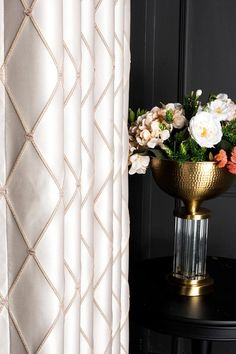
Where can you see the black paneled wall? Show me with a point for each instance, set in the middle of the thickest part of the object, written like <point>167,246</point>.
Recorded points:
<point>178,46</point>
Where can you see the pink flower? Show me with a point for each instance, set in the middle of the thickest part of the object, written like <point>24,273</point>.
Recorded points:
<point>233,155</point>
<point>221,158</point>
<point>231,166</point>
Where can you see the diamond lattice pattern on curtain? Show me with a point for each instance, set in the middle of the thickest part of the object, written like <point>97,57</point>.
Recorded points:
<point>64,75</point>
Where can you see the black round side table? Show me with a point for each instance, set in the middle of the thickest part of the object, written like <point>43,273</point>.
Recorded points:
<point>203,319</point>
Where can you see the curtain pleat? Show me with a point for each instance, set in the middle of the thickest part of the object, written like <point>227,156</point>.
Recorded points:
<point>124,343</point>
<point>4,317</point>
<point>64,225</point>
<point>33,187</point>
<point>117,174</point>
<point>87,175</point>
<point>72,161</point>
<point>103,184</point>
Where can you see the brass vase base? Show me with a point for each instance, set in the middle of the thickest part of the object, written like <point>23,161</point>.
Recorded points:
<point>190,287</point>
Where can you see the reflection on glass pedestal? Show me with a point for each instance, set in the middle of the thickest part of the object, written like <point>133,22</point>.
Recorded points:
<point>190,248</point>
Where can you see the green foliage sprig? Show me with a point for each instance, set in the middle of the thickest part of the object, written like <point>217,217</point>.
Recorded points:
<point>191,104</point>
<point>132,116</point>
<point>229,132</point>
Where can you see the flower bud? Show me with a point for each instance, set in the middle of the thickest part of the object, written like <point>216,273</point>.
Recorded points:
<point>198,93</point>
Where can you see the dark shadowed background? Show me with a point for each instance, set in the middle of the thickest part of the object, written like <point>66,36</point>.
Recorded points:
<point>178,46</point>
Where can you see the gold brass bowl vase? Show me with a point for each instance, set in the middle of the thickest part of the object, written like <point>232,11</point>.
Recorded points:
<point>191,182</point>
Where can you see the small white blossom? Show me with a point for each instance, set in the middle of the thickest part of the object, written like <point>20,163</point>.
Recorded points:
<point>198,93</point>
<point>153,142</point>
<point>164,135</point>
<point>155,128</point>
<point>139,164</point>
<point>145,134</point>
<point>205,129</point>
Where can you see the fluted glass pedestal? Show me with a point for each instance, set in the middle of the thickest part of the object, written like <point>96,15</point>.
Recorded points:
<point>189,276</point>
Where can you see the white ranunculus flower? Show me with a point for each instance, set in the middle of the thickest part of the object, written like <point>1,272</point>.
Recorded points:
<point>139,164</point>
<point>223,110</point>
<point>205,129</point>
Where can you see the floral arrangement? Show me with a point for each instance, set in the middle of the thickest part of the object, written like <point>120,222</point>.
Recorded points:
<point>191,131</point>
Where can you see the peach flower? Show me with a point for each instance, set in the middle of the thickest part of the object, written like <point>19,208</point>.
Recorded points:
<point>221,158</point>
<point>233,155</point>
<point>231,166</point>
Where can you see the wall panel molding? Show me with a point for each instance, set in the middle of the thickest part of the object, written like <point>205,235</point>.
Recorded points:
<point>183,48</point>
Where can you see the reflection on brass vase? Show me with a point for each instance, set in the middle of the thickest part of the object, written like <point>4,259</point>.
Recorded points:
<point>192,182</point>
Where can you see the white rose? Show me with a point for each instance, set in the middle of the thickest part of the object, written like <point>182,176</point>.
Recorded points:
<point>223,110</point>
<point>205,129</point>
<point>139,164</point>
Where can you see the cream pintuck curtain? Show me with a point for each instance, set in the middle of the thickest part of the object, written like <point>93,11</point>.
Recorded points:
<point>64,69</point>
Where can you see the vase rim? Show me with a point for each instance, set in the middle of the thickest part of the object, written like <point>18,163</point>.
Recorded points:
<point>183,162</point>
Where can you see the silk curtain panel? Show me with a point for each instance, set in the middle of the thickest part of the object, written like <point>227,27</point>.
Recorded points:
<point>64,79</point>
